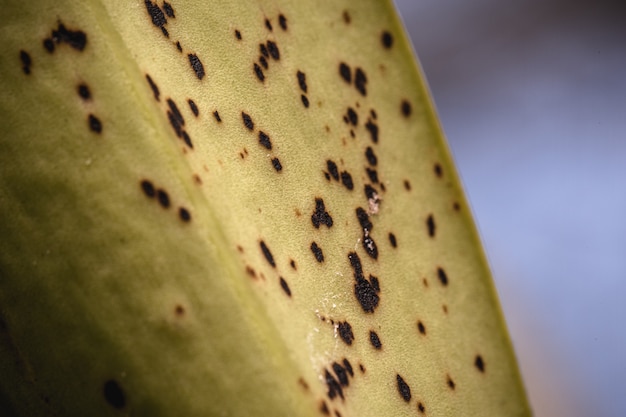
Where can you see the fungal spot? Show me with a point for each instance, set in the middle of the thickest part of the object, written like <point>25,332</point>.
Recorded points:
<point>285,286</point>
<point>155,89</point>
<point>113,394</point>
<point>405,106</point>
<point>250,271</point>
<point>263,62</point>
<point>372,174</point>
<point>305,100</point>
<point>345,72</point>
<point>360,79</point>
<point>403,388</point>
<point>407,185</point>
<point>169,11</point>
<point>320,215</point>
<point>456,206</point>
<point>317,252</point>
<point>49,45</point>
<point>362,368</point>
<point>479,363</point>
<point>26,61</point>
<point>373,129</point>
<point>164,198</point>
<point>348,366</point>
<point>268,255</point>
<point>345,332</point>
<point>264,140</point>
<point>353,118</point>
<point>392,240</point>
<point>179,46</point>
<point>259,72</point>
<point>346,17</point>
<point>196,65</point>
<point>157,15</point>
<point>273,50</point>
<point>370,156</point>
<point>363,218</point>
<point>375,340</point>
<point>430,224</point>
<point>94,124</point>
<point>179,310</point>
<point>443,278</point>
<point>217,116</point>
<point>420,327</point>
<point>346,180</point>
<point>334,388</point>
<point>264,50</point>
<point>386,39</point>
<point>148,188</point>
<point>76,39</point>
<point>444,308</point>
<point>247,121</point>
<point>302,81</point>
<point>438,170</point>
<point>450,383</point>
<point>277,165</point>
<point>184,214</point>
<point>370,193</point>
<point>421,408</point>
<point>83,91</point>
<point>370,246</point>
<point>366,295</point>
<point>332,169</point>
<point>237,34</point>
<point>193,107</point>
<point>341,374</point>
<point>292,263</point>
<point>268,25</point>
<point>324,408</point>
<point>175,112</point>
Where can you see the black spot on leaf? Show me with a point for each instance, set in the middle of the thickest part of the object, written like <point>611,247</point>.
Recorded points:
<point>268,255</point>
<point>237,34</point>
<point>272,48</point>
<point>403,388</point>
<point>364,219</point>
<point>217,116</point>
<point>375,340</point>
<point>479,363</point>
<point>285,286</point>
<point>175,112</point>
<point>153,86</point>
<point>341,374</point>
<point>370,156</point>
<point>405,106</point>
<point>184,214</point>
<point>317,252</point>
<point>386,39</point>
<point>76,39</point>
<point>302,80</point>
<point>83,91</point>
<point>259,72</point>
<point>348,366</point>
<point>193,107</point>
<point>305,100</point>
<point>438,170</point>
<point>345,332</point>
<point>157,15</point>
<point>264,51</point>
<point>370,246</point>
<point>332,169</point>
<point>346,180</point>
<point>450,383</point>
<point>353,118</point>
<point>268,25</point>
<point>366,295</point>
<point>264,140</point>
<point>148,188</point>
<point>48,43</point>
<point>392,240</point>
<point>334,388</point>
<point>372,174</point>
<point>282,21</point>
<point>430,224</point>
<point>372,128</point>
<point>263,62</point>
<point>26,61</point>
<point>196,65</point>
<point>113,394</point>
<point>169,11</point>
<point>443,277</point>
<point>360,81</point>
<point>277,165</point>
<point>164,198</point>
<point>421,408</point>
<point>345,72</point>
<point>247,121</point>
<point>94,124</point>
<point>320,215</point>
<point>420,327</point>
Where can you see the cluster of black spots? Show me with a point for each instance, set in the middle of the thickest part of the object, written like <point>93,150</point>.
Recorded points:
<point>346,180</point>
<point>405,107</point>
<point>421,328</point>
<point>332,169</point>
<point>386,39</point>
<point>277,165</point>
<point>265,140</point>
<point>430,225</point>
<point>479,363</point>
<point>302,83</point>
<point>237,34</point>
<point>368,243</point>
<point>372,174</point>
<point>113,394</point>
<point>83,91</point>
<point>26,61</point>
<point>285,286</point>
<point>317,252</point>
<point>345,332</point>
<point>154,87</point>
<point>372,128</point>
<point>193,107</point>
<point>443,277</point>
<point>196,65</point>
<point>371,156</point>
<point>282,21</point>
<point>365,291</point>
<point>345,72</point>
<point>177,121</point>
<point>334,388</point>
<point>95,125</point>
<point>163,199</point>
<point>217,116</point>
<point>158,16</point>
<point>450,383</point>
<point>247,121</point>
<point>393,240</point>
<point>268,255</point>
<point>351,117</point>
<point>403,388</point>
<point>320,215</point>
<point>375,340</point>
<point>184,214</point>
<point>76,39</point>
<point>338,379</point>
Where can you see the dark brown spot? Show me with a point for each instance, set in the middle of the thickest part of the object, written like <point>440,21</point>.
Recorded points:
<point>403,388</point>
<point>352,117</point>
<point>247,121</point>
<point>113,394</point>
<point>407,185</point>
<point>292,263</point>
<point>392,240</point>
<point>421,408</point>
<point>345,72</point>
<point>193,107</point>
<point>259,72</point>
<point>438,170</point>
<point>479,363</point>
<point>196,65</point>
<point>375,340</point>
<point>324,408</point>
<point>373,129</point>
<point>345,332</point>
<point>450,383</point>
<point>360,81</point>
<point>164,198</point>
<point>76,39</point>
<point>49,45</point>
<point>305,100</point>
<point>83,91</point>
<point>348,366</point>
<point>282,21</point>
<point>268,25</point>
<point>157,15</point>
<point>169,11</point>
<point>386,39</point>
<point>285,286</point>
<point>362,368</point>
<point>237,34</point>
<point>332,169</point>
<point>264,51</point>
<point>406,108</point>
<point>179,310</point>
<point>371,156</point>
<point>456,206</point>
<point>184,214</point>
<point>443,277</point>
<point>302,80</point>
<point>372,174</point>
<point>320,215</point>
<point>217,116</point>
<point>268,255</point>
<point>265,140</point>
<point>277,165</point>
<point>346,17</point>
<point>317,252</point>
<point>430,224</point>
<point>341,374</point>
<point>179,46</point>
<point>94,124</point>
<point>148,188</point>
<point>26,61</point>
<point>346,180</point>
<point>420,327</point>
<point>153,86</point>
<point>272,48</point>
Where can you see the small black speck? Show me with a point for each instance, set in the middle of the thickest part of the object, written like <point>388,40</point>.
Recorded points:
<point>217,116</point>
<point>153,86</point>
<point>95,124</point>
<point>277,165</point>
<point>346,180</point>
<point>268,255</point>
<point>386,39</point>
<point>268,25</point>
<point>392,240</point>
<point>264,50</point>
<point>263,62</point>
<point>345,332</point>
<point>264,140</point>
<point>438,170</point>
<point>430,224</point>
<point>237,34</point>
<point>148,188</point>
<point>345,72</point>
<point>360,79</point>
<point>169,11</point>
<point>197,66</point>
<point>49,45</point>
<point>372,174</point>
<point>352,116</point>
<point>375,283</point>
<point>479,363</point>
<point>406,108</point>
<point>114,394</point>
<point>83,91</point>
<point>317,252</point>
<point>193,107</point>
<point>451,383</point>
<point>332,169</point>
<point>165,32</point>
<point>187,139</point>
<point>273,50</point>
<point>305,100</point>
<point>420,327</point>
<point>371,156</point>
<point>373,129</point>
<point>370,192</point>
<point>421,408</point>
<point>302,80</point>
<point>179,46</point>
<point>292,263</point>
<point>164,198</point>
<point>259,72</point>
<point>375,340</point>
<point>327,176</point>
<point>348,366</point>
<point>247,121</point>
<point>407,185</point>
<point>26,61</point>
<point>184,214</point>
<point>403,388</point>
<point>285,286</point>
<point>442,276</point>
<point>282,21</point>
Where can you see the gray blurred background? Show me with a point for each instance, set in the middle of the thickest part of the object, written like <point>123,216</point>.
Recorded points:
<point>532,97</point>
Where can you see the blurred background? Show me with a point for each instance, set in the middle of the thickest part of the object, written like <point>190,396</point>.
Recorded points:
<point>532,97</point>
